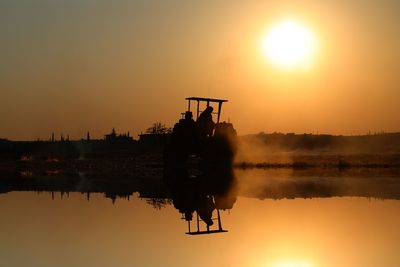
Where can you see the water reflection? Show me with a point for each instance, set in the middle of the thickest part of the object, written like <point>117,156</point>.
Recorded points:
<point>202,196</point>
<point>222,185</point>
<point>318,183</point>
<point>319,232</point>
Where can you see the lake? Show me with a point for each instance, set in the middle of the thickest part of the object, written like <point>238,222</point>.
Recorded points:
<point>264,229</point>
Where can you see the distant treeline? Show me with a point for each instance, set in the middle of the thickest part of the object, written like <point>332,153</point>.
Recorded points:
<point>113,145</point>
<point>124,147</point>
<point>372,143</point>
<point>82,149</point>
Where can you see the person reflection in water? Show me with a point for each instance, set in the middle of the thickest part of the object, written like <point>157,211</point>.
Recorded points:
<point>205,209</point>
<point>202,194</point>
<point>187,198</point>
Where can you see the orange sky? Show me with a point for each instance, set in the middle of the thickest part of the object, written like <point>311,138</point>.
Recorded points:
<point>74,66</point>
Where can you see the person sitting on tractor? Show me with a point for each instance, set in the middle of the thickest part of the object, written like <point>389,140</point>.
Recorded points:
<point>189,118</point>
<point>205,123</point>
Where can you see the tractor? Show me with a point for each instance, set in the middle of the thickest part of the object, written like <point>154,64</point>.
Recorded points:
<point>198,162</point>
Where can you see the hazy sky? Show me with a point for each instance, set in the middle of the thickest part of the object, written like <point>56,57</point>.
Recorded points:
<point>77,65</point>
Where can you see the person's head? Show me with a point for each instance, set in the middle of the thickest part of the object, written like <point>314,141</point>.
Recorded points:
<point>188,115</point>
<point>209,109</point>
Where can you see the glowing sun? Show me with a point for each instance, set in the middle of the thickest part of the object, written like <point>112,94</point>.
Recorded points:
<point>289,44</point>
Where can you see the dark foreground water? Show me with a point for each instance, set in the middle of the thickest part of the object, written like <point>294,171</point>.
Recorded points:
<point>326,231</point>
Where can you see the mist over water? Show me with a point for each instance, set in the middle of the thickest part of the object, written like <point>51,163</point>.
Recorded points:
<point>278,148</point>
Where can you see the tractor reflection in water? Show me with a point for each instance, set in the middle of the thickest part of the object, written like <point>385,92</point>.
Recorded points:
<point>198,165</point>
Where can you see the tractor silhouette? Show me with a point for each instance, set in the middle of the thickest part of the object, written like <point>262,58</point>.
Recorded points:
<point>198,163</point>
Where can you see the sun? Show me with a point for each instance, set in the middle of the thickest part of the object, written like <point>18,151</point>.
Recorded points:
<point>289,44</point>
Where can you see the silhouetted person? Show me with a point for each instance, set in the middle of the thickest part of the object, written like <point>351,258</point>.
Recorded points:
<point>184,136</point>
<point>189,116</point>
<point>189,124</point>
<point>205,124</point>
<point>205,209</point>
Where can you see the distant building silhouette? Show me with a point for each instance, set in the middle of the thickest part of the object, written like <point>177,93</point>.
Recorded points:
<point>114,137</point>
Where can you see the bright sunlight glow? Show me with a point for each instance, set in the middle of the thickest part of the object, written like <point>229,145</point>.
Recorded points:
<point>289,44</point>
<point>292,264</point>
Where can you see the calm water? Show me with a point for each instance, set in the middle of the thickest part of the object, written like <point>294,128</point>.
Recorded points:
<point>38,231</point>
